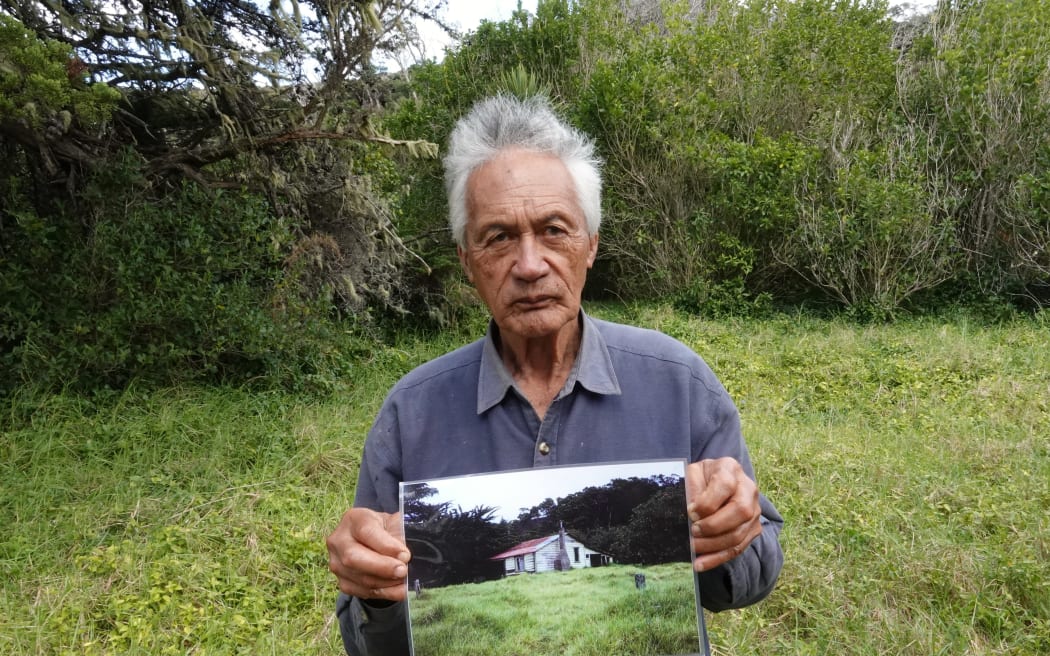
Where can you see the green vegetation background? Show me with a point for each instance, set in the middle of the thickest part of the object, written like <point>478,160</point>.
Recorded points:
<point>911,462</point>
<point>205,294</point>
<point>170,226</point>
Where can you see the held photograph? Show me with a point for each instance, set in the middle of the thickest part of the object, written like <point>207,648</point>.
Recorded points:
<point>590,560</point>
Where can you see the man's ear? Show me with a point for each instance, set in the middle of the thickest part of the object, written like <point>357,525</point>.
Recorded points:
<point>463,261</point>
<point>593,251</point>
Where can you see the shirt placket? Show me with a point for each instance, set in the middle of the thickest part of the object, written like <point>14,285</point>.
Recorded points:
<point>546,451</point>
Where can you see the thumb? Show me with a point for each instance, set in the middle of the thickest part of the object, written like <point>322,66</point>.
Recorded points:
<point>382,533</point>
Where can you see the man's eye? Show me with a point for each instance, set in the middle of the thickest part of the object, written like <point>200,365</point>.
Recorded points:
<point>554,231</point>
<point>498,238</point>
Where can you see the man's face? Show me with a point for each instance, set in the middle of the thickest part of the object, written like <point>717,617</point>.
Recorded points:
<point>527,249</point>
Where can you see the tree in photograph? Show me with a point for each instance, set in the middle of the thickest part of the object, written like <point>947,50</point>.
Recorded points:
<point>658,531</point>
<point>636,520</point>
<point>541,519</point>
<point>453,545</point>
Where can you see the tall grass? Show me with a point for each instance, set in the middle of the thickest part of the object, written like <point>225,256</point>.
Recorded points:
<point>587,612</point>
<point>912,463</point>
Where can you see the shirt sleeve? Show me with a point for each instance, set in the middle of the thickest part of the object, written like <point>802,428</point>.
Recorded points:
<point>372,631</point>
<point>751,576</point>
<point>366,629</point>
<point>380,474</point>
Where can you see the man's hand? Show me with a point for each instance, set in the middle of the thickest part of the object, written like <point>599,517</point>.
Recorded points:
<point>724,511</point>
<point>367,553</point>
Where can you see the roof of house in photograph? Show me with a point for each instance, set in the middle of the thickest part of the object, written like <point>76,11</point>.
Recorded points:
<point>527,547</point>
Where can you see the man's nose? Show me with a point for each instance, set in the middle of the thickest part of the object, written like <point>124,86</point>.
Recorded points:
<point>531,262</point>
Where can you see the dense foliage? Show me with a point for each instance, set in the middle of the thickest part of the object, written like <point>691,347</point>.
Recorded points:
<point>183,283</point>
<point>790,151</point>
<point>191,189</point>
<point>454,544</point>
<point>757,154</point>
<point>635,520</point>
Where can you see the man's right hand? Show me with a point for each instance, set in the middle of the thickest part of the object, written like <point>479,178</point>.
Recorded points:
<point>368,556</point>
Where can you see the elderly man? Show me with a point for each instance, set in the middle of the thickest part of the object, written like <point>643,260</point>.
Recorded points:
<point>547,385</point>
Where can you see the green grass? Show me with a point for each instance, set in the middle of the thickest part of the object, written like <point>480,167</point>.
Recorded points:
<point>912,463</point>
<point>588,612</point>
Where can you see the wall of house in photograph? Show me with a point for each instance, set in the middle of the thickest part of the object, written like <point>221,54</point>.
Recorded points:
<point>541,555</point>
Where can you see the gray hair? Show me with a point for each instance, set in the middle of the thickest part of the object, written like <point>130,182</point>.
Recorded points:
<point>503,122</point>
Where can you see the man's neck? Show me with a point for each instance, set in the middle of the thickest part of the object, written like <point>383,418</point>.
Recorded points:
<point>540,366</point>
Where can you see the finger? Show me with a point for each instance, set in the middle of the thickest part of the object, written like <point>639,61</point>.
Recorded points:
<point>360,563</point>
<point>362,571</point>
<point>362,585</point>
<point>397,592</point>
<point>712,560</point>
<point>742,534</point>
<point>711,557</point>
<point>694,482</point>
<point>375,589</point>
<point>363,551</point>
<point>711,485</point>
<point>741,508</point>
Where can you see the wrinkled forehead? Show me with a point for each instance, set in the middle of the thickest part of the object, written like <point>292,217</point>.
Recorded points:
<point>521,183</point>
<point>517,175</point>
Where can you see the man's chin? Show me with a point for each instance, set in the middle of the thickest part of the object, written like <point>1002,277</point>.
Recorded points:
<point>536,323</point>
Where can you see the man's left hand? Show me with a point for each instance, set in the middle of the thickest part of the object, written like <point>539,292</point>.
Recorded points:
<point>723,510</point>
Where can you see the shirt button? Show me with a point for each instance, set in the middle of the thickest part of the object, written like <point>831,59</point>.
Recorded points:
<point>544,448</point>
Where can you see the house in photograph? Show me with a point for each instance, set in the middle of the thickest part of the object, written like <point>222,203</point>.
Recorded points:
<point>555,552</point>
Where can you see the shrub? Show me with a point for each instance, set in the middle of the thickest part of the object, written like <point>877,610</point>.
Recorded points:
<point>872,233</point>
<point>42,81</point>
<point>977,82</point>
<point>136,283</point>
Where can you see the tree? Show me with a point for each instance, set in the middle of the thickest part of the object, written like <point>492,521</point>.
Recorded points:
<point>275,104</point>
<point>260,89</point>
<point>978,85</point>
<point>207,81</point>
<point>658,531</point>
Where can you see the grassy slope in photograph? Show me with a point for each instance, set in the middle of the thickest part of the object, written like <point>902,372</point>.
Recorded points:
<point>586,612</point>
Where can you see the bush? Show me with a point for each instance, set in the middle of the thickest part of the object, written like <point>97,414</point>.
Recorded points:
<point>42,81</point>
<point>872,233</point>
<point>977,82</point>
<point>710,119</point>
<point>135,283</point>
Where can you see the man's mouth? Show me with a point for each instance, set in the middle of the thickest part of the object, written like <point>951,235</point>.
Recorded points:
<point>534,302</point>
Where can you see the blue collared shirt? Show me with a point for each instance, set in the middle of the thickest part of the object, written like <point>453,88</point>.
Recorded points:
<point>633,394</point>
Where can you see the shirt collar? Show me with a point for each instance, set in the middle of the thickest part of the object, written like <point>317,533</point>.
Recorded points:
<point>593,368</point>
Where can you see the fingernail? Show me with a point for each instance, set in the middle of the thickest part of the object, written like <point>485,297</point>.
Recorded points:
<point>698,566</point>
<point>404,556</point>
<point>694,516</point>
<point>400,572</point>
